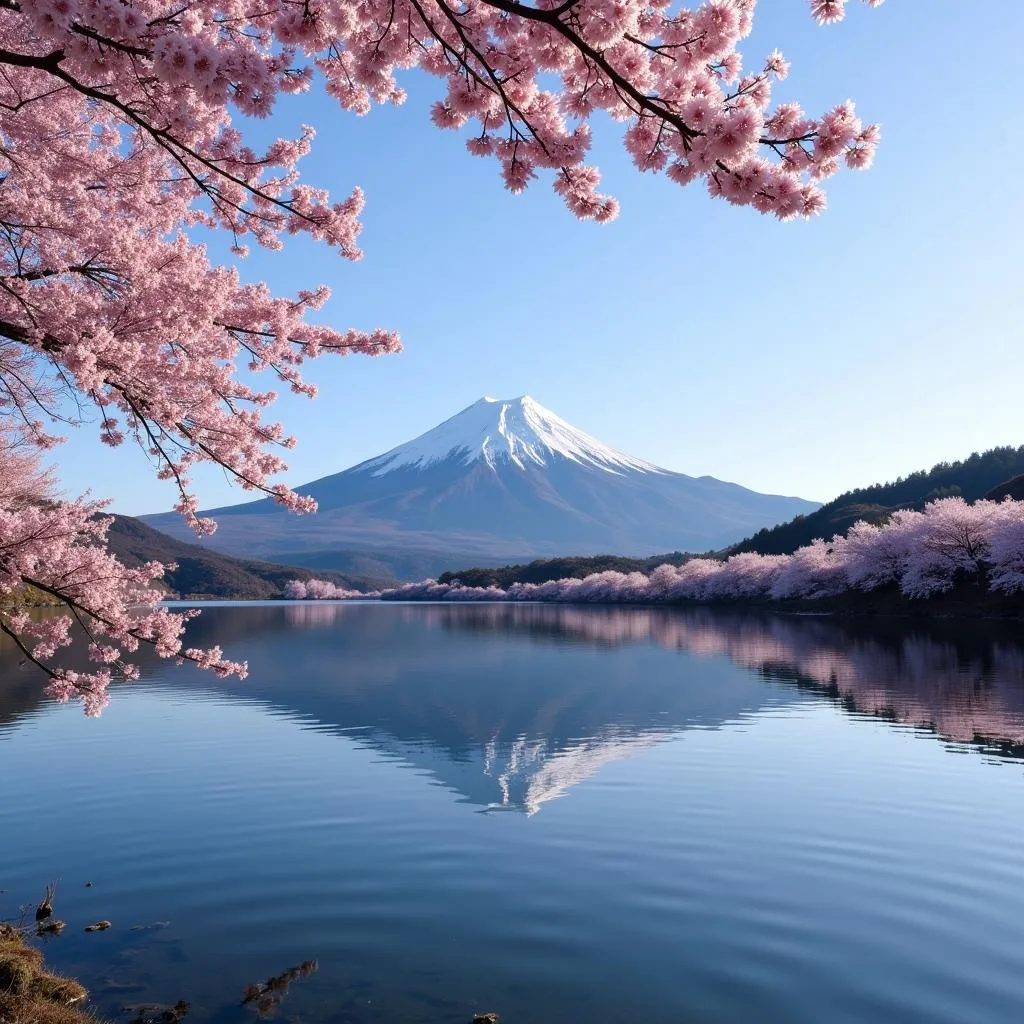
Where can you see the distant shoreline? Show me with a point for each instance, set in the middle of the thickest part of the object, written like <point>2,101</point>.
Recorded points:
<point>876,604</point>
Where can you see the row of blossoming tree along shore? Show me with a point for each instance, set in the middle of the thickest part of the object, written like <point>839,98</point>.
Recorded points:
<point>923,553</point>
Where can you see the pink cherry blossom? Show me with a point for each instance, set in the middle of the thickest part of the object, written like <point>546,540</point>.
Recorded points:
<point>55,551</point>
<point>814,571</point>
<point>1007,552</point>
<point>877,556</point>
<point>952,538</point>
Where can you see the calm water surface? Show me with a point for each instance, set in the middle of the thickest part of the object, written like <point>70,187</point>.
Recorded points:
<point>560,814</point>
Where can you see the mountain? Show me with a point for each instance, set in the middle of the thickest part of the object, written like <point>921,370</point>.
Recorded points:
<point>501,480</point>
<point>992,474</point>
<point>204,573</point>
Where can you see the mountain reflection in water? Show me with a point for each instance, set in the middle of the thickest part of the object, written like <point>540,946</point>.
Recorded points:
<point>462,692</point>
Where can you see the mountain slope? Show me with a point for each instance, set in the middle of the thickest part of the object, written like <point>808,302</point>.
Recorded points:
<point>980,475</point>
<point>203,573</point>
<point>501,480</point>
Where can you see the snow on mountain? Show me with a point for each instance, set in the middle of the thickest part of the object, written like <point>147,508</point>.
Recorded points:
<point>517,430</point>
<point>499,482</point>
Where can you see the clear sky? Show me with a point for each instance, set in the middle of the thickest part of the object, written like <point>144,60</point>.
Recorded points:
<point>802,358</point>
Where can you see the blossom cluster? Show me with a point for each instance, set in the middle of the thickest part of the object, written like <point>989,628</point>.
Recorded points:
<point>922,553</point>
<point>321,590</point>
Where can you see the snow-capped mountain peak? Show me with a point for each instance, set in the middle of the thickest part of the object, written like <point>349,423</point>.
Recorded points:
<point>516,430</point>
<point>501,481</point>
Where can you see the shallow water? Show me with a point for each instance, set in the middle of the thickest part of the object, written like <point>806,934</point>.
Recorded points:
<point>560,814</point>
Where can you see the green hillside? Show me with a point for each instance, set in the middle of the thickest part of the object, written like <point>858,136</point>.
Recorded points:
<point>201,572</point>
<point>978,476</point>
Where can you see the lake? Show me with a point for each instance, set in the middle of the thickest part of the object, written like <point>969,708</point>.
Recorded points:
<point>561,814</point>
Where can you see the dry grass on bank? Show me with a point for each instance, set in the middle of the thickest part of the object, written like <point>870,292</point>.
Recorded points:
<point>29,994</point>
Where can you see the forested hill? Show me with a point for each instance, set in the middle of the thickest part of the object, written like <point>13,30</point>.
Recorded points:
<point>982,475</point>
<point>544,569</point>
<point>204,573</point>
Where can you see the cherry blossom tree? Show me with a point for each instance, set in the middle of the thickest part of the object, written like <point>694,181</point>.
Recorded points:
<point>26,483</point>
<point>749,575</point>
<point>952,538</point>
<point>296,590</point>
<point>325,590</point>
<point>118,140</point>
<point>56,549</point>
<point>876,556</point>
<point>1007,553</point>
<point>817,570</point>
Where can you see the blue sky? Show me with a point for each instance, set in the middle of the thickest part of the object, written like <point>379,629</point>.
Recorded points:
<point>802,358</point>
